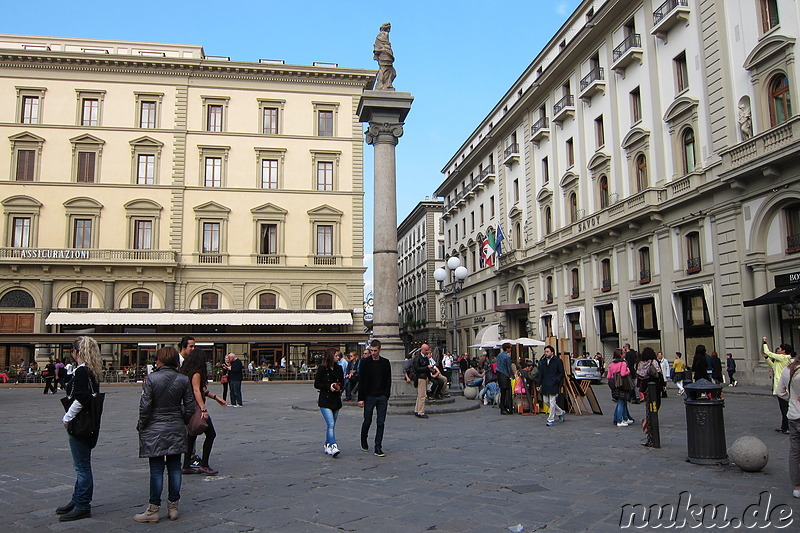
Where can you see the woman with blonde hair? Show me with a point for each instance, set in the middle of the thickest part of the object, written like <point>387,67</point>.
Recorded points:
<point>166,405</point>
<point>84,384</point>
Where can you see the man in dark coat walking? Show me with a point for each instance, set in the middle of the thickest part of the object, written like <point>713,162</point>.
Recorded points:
<point>549,382</point>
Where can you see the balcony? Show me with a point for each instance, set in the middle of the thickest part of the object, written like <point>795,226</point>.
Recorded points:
<point>487,174</point>
<point>511,154</point>
<point>644,277</point>
<point>592,83</point>
<point>268,259</point>
<point>668,15</point>
<point>575,293</point>
<point>210,259</point>
<point>53,255</point>
<point>564,108</point>
<point>540,130</point>
<point>779,143</point>
<point>629,51</point>
<point>606,285</point>
<point>325,260</point>
<point>549,298</point>
<point>693,265</point>
<point>792,244</point>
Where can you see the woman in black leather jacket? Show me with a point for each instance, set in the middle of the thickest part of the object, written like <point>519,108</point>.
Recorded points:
<point>166,405</point>
<point>329,381</point>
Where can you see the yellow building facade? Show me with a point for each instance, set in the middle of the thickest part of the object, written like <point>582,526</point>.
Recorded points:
<point>150,191</point>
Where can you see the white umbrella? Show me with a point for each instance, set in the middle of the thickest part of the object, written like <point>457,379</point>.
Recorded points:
<point>525,341</point>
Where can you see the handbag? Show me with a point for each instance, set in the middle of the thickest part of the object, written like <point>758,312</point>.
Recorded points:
<point>197,424</point>
<point>623,383</point>
<point>86,424</point>
<point>519,386</point>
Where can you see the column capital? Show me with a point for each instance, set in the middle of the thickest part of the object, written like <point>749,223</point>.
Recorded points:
<point>384,133</point>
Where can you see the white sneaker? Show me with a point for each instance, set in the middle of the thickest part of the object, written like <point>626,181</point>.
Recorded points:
<point>334,450</point>
<point>622,424</point>
<point>485,401</point>
<point>629,421</point>
<point>328,449</point>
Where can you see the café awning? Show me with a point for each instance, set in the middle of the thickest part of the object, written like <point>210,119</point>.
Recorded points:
<point>151,318</point>
<point>778,295</point>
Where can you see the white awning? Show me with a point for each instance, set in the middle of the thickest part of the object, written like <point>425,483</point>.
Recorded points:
<point>310,318</point>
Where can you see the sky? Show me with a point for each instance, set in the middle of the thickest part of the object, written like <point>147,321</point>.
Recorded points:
<point>456,58</point>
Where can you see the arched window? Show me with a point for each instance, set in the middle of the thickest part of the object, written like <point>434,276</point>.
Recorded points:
<point>324,300</point>
<point>548,221</point>
<point>688,151</point>
<point>517,236</point>
<point>780,103</point>
<point>17,298</point>
<point>573,207</point>
<point>140,300</point>
<point>644,265</point>
<point>604,197</point>
<point>209,300</point>
<point>79,300</point>
<point>693,261</point>
<point>605,273</point>
<point>641,173</point>
<point>267,300</point>
<point>576,289</point>
<point>792,213</point>
<point>548,289</point>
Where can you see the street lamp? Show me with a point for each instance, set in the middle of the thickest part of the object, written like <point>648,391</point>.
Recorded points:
<point>457,275</point>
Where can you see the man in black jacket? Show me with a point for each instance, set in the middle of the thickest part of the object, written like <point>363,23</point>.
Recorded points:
<point>422,373</point>
<point>375,383</point>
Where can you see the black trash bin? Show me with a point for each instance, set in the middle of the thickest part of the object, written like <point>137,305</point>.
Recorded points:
<point>705,424</point>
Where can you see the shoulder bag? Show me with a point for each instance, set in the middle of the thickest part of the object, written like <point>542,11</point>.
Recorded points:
<point>86,425</point>
<point>197,424</point>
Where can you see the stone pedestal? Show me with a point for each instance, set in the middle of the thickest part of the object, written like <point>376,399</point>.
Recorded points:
<point>384,112</point>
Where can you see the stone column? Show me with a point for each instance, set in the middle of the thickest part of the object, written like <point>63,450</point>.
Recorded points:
<point>106,348</point>
<point>385,112</point>
<point>45,352</point>
<point>169,296</point>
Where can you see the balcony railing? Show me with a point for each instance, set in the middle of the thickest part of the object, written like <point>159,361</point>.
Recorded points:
<point>88,254</point>
<point>325,260</point>
<point>606,285</point>
<point>634,40</point>
<point>268,259</point>
<point>793,243</point>
<point>644,276</point>
<point>540,129</point>
<point>666,8</point>
<point>575,292</point>
<point>693,264</point>
<point>486,172</point>
<point>549,298</point>
<point>668,15</point>
<point>595,75</point>
<point>564,108</point>
<point>511,154</point>
<point>210,259</point>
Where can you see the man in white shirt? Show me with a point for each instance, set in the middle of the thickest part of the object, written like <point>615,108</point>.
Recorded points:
<point>447,366</point>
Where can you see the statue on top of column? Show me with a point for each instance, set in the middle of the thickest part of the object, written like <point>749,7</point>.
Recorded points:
<point>385,57</point>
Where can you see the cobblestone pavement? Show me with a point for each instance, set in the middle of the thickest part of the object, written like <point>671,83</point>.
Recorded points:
<point>460,472</point>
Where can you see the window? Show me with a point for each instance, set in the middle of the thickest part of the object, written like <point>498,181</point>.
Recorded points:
<point>325,123</point>
<point>82,233</point>
<point>267,300</point>
<point>599,132</point>
<point>681,73</point>
<point>142,234</point>
<point>517,236</point>
<point>147,114</point>
<point>213,173</point>
<point>575,283</point>
<point>323,300</point>
<point>90,112</point>
<point>269,239</point>
<point>87,162</point>
<point>515,191</point>
<point>792,214</point>
<point>79,300</point>
<point>688,151</point>
<point>780,104</point>
<point>636,105</point>
<point>545,171</point>
<point>324,175</point>
<point>21,236</point>
<point>325,116</point>
<point>209,300</point>
<point>644,265</point>
<point>769,14</point>
<point>481,215</point>
<point>605,274</point>
<point>214,121</point>
<point>646,318</point>
<point>146,169</point>
<point>140,300</point>
<point>641,173</point>
<point>570,152</point>
<point>29,104</point>
<point>573,207</point>
<point>26,165</point>
<point>548,289</point>
<point>211,238</point>
<point>269,173</point>
<point>491,207</point>
<point>548,221</point>
<point>271,111</point>
<point>472,221</point>
<point>324,239</point>
<point>87,151</point>
<point>605,199</point>
<point>30,110</point>
<point>693,261</point>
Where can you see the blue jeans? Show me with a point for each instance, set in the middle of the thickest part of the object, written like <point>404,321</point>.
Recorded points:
<point>84,483</point>
<point>370,404</point>
<point>330,416</point>
<point>477,383</point>
<point>621,413</point>
<point>174,478</point>
<point>236,392</point>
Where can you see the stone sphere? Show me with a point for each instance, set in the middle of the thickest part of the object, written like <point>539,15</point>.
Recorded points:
<point>470,393</point>
<point>749,454</point>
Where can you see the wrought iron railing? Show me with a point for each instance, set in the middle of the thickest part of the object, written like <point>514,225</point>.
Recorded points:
<point>634,40</point>
<point>596,74</point>
<point>693,264</point>
<point>644,276</point>
<point>567,101</point>
<point>540,124</point>
<point>667,7</point>
<point>513,149</point>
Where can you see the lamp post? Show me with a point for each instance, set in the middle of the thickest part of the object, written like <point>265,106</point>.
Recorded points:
<point>457,274</point>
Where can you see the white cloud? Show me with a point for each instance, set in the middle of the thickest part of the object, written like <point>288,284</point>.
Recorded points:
<point>562,8</point>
